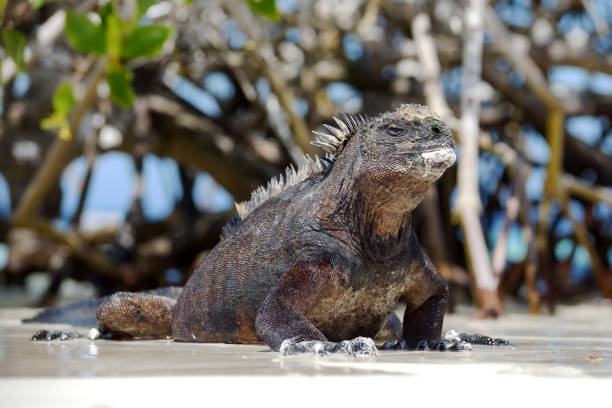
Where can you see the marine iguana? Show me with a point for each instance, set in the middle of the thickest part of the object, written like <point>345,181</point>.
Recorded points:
<point>320,258</point>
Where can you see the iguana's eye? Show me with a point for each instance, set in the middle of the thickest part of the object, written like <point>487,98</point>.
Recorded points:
<point>394,131</point>
<point>436,129</point>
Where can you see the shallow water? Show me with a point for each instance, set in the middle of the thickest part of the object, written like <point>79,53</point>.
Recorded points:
<point>575,344</point>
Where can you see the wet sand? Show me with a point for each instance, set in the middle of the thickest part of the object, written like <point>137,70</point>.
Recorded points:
<point>553,357</point>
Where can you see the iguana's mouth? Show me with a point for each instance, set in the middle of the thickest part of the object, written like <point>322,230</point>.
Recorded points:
<point>441,157</point>
<point>440,154</point>
<point>434,154</point>
<point>435,149</point>
<point>416,148</point>
<point>432,162</point>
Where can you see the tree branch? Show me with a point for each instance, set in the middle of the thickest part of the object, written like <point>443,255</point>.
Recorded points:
<point>56,158</point>
<point>468,203</point>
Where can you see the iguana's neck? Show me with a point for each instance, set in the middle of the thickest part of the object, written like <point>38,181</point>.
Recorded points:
<point>386,204</point>
<point>369,206</point>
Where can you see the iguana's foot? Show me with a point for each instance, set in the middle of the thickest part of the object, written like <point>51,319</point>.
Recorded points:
<point>424,345</point>
<point>476,338</point>
<point>48,335</point>
<point>451,341</point>
<point>92,334</point>
<point>357,347</point>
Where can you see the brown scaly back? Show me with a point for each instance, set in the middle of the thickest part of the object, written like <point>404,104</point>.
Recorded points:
<point>333,143</point>
<point>277,185</point>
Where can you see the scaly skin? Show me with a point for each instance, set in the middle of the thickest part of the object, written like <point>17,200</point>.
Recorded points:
<point>325,260</point>
<point>330,258</point>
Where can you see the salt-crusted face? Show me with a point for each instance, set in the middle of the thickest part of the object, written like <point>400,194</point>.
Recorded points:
<point>411,141</point>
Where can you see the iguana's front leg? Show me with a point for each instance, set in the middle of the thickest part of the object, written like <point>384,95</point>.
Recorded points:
<point>424,314</point>
<point>422,327</point>
<point>281,320</point>
<point>422,324</point>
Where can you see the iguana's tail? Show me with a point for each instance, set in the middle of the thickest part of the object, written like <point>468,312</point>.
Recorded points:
<point>83,313</point>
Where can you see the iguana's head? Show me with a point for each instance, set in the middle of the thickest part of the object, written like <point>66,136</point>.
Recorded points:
<point>408,143</point>
<point>383,168</point>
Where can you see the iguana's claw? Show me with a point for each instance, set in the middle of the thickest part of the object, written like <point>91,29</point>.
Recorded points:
<point>455,342</point>
<point>357,347</point>
<point>362,347</point>
<point>450,342</point>
<point>422,345</point>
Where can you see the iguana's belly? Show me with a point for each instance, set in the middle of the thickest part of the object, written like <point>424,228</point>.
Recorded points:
<point>346,312</point>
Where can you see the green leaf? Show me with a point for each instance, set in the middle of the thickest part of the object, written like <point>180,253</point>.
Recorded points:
<point>53,121</point>
<point>265,8</point>
<point>63,99</point>
<point>147,40</point>
<point>57,121</point>
<point>36,4</point>
<point>63,102</point>
<point>113,33</point>
<point>14,45</point>
<point>120,83</point>
<point>143,6</point>
<point>64,132</point>
<point>84,35</point>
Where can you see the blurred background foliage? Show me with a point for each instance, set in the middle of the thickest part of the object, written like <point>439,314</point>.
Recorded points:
<point>128,129</point>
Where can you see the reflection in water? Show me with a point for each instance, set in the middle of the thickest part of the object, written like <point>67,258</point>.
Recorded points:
<point>558,346</point>
<point>92,350</point>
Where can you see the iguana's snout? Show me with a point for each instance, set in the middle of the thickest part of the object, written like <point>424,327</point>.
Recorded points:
<point>438,149</point>
<point>439,158</point>
<point>428,148</point>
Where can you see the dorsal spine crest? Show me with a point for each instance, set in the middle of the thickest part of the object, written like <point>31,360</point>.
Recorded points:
<point>278,184</point>
<point>348,126</point>
<point>334,141</point>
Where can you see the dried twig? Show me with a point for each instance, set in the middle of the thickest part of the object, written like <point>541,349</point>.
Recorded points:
<point>265,57</point>
<point>601,26</point>
<point>49,172</point>
<point>430,69</point>
<point>604,280</point>
<point>468,203</point>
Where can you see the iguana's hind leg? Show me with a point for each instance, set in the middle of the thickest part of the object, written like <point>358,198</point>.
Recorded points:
<point>142,315</point>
